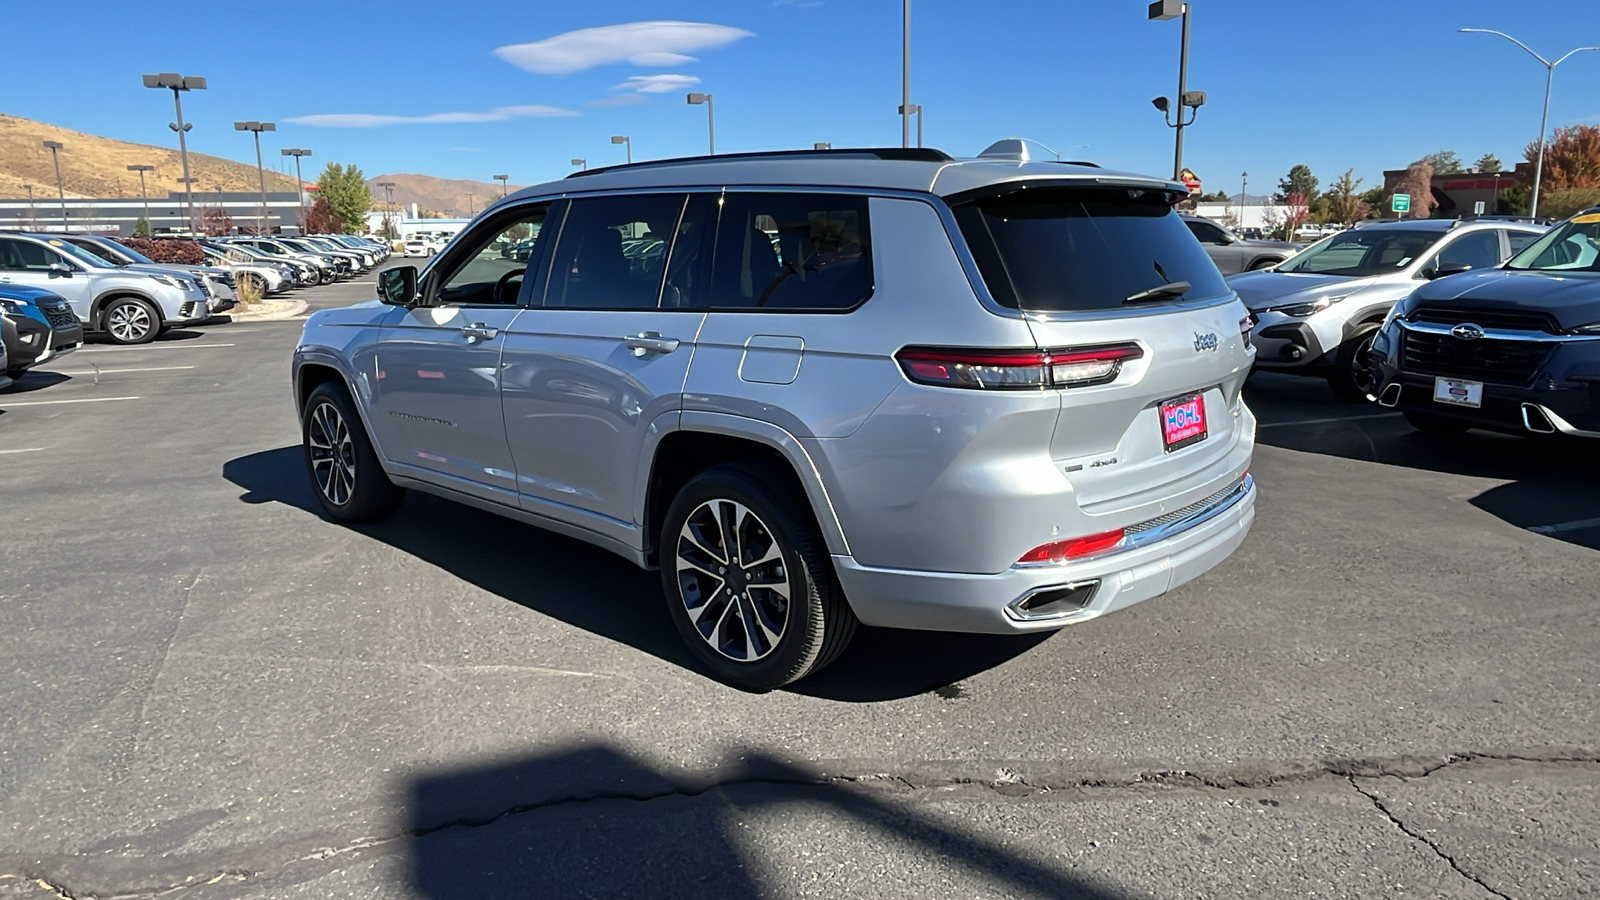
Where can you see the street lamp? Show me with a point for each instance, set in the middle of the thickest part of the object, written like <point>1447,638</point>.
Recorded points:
<point>711,116</point>
<point>1549,78</point>
<point>905,73</point>
<point>55,156</point>
<point>624,139</point>
<point>1244,180</point>
<point>470,197</point>
<point>916,110</point>
<point>142,194</point>
<point>299,183</point>
<point>257,128</point>
<point>502,180</point>
<point>581,162</point>
<point>388,208</point>
<point>1161,11</point>
<point>178,84</point>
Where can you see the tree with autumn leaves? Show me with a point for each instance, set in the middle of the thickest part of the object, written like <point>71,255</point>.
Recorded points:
<point>1571,180</point>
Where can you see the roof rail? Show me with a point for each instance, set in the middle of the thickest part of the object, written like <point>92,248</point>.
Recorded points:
<point>912,154</point>
<point>1492,217</point>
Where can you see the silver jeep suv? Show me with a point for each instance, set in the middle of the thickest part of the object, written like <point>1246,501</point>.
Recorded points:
<point>815,389</point>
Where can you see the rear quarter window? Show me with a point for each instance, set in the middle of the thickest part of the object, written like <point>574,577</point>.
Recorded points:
<point>1073,249</point>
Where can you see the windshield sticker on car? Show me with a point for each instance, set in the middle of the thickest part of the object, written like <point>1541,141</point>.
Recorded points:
<point>1588,219</point>
<point>1402,263</point>
<point>55,243</point>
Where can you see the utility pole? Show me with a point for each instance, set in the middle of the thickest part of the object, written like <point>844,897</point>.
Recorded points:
<point>178,84</point>
<point>502,180</point>
<point>299,182</point>
<point>905,74</point>
<point>388,208</point>
<point>624,139</point>
<point>55,155</point>
<point>143,195</point>
<point>1161,11</point>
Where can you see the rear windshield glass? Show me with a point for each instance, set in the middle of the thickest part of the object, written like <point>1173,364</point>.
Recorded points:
<point>1066,249</point>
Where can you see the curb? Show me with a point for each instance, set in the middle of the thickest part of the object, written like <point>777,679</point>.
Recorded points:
<point>293,309</point>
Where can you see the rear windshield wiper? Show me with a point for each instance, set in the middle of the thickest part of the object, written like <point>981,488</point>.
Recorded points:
<point>1171,289</point>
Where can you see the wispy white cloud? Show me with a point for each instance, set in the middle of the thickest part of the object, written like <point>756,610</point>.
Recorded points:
<point>620,100</point>
<point>657,84</point>
<point>371,120</point>
<point>639,43</point>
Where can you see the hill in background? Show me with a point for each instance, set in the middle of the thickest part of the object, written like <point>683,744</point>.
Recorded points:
<point>449,196</point>
<point>93,166</point>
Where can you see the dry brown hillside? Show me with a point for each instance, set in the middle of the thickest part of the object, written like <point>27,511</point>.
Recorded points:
<point>93,166</point>
<point>443,195</point>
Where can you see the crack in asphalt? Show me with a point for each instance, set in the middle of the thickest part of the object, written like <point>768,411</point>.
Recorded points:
<point>1004,780</point>
<point>1423,839</point>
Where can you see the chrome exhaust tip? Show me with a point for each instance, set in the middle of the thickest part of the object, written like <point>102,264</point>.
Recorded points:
<point>1390,396</point>
<point>1054,602</point>
<point>1535,420</point>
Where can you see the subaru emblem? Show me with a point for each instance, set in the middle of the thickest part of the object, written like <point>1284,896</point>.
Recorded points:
<point>1466,331</point>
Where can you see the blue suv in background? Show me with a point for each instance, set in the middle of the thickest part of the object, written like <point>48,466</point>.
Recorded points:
<point>41,326</point>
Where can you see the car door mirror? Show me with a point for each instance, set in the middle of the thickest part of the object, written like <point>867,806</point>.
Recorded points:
<point>1443,269</point>
<point>59,270</point>
<point>398,286</point>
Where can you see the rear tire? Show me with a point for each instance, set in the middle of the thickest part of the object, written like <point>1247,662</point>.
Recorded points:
<point>345,473</point>
<point>1352,380</point>
<point>1428,423</point>
<point>729,607</point>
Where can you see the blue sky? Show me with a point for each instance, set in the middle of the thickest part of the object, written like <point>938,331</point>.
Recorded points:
<point>1356,83</point>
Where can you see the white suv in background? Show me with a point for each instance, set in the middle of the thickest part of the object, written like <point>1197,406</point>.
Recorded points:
<point>130,307</point>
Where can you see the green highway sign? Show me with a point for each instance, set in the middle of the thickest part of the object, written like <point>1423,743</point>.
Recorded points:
<point>1400,203</point>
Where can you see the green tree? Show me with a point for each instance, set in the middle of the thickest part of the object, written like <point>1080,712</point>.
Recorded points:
<point>141,226</point>
<point>1373,201</point>
<point>1298,181</point>
<point>1566,201</point>
<point>1343,201</point>
<point>345,189</point>
<point>1445,162</point>
<point>1514,200</point>
<point>1489,164</point>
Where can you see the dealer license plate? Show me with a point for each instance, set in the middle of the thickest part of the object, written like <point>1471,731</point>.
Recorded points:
<point>1456,392</point>
<point>1183,421</point>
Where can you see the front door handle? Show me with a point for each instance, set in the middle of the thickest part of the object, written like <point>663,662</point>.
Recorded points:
<point>478,331</point>
<point>649,342</point>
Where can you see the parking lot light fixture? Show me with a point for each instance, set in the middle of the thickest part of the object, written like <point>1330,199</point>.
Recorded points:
<point>581,162</point>
<point>711,116</point>
<point>143,195</point>
<point>502,180</point>
<point>178,84</point>
<point>1544,118</point>
<point>257,128</point>
<point>822,145</point>
<point>1162,11</point>
<point>55,155</point>
<point>300,184</point>
<point>624,139</point>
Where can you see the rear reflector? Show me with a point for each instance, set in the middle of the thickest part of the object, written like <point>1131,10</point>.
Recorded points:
<point>1061,551</point>
<point>1015,370</point>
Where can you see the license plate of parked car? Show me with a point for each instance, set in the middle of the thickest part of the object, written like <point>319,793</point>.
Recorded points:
<point>1457,392</point>
<point>1183,421</point>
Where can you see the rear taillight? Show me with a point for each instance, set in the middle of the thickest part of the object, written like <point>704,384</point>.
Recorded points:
<point>1076,548</point>
<point>1015,370</point>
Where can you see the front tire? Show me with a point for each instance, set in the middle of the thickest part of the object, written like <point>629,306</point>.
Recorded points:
<point>1352,378</point>
<point>129,320</point>
<point>344,471</point>
<point>748,581</point>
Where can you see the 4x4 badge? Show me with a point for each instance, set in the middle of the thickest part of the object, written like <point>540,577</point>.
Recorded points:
<point>1203,342</point>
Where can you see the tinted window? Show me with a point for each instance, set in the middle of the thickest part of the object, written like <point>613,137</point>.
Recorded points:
<point>1361,252</point>
<point>791,252</point>
<point>25,255</point>
<point>1480,250</point>
<point>1206,232</point>
<point>1073,249</point>
<point>1521,239</point>
<point>488,269</point>
<point>611,250</point>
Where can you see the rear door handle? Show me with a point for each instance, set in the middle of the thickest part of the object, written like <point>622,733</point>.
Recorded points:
<point>649,342</point>
<point>478,331</point>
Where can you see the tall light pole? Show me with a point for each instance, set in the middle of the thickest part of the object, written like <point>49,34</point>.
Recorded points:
<point>711,116</point>
<point>178,84</point>
<point>905,73</point>
<point>581,162</point>
<point>1244,180</point>
<point>624,139</point>
<point>143,195</point>
<point>470,196</point>
<point>502,180</point>
<point>299,183</point>
<point>55,155</point>
<point>1161,11</point>
<point>1544,119</point>
<point>388,208</point>
<point>257,128</point>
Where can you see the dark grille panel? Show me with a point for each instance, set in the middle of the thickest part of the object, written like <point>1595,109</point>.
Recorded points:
<point>1508,320</point>
<point>60,316</point>
<point>1486,359</point>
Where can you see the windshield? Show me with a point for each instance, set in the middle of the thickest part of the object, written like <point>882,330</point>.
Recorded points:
<point>1574,246</point>
<point>272,249</point>
<point>1363,252</point>
<point>1072,249</point>
<point>106,253</point>
<point>80,254</point>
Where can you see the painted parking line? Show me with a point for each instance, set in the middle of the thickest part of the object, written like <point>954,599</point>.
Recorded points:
<point>121,371</point>
<point>8,405</point>
<point>1325,421</point>
<point>1562,527</point>
<point>24,450</point>
<point>176,345</point>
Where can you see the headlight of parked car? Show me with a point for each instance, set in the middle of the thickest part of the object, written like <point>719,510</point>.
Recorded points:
<point>11,306</point>
<point>1302,310</point>
<point>167,280</point>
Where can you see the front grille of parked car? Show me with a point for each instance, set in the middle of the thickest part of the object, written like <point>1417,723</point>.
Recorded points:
<point>59,316</point>
<point>1484,318</point>
<point>1485,359</point>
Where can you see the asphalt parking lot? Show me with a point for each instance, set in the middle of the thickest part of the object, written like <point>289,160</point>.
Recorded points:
<point>211,691</point>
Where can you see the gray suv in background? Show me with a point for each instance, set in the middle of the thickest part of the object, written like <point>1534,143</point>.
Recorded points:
<point>1232,253</point>
<point>814,389</point>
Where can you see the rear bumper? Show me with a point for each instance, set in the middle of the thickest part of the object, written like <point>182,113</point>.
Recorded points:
<point>945,601</point>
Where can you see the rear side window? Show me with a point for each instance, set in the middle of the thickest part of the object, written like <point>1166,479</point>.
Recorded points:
<point>611,251</point>
<point>791,252</point>
<point>1067,249</point>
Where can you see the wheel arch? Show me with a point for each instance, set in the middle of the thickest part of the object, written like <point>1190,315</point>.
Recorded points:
<point>98,305</point>
<point>702,440</point>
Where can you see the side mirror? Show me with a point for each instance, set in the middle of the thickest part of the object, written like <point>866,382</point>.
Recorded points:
<point>1443,269</point>
<point>398,286</point>
<point>59,270</point>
